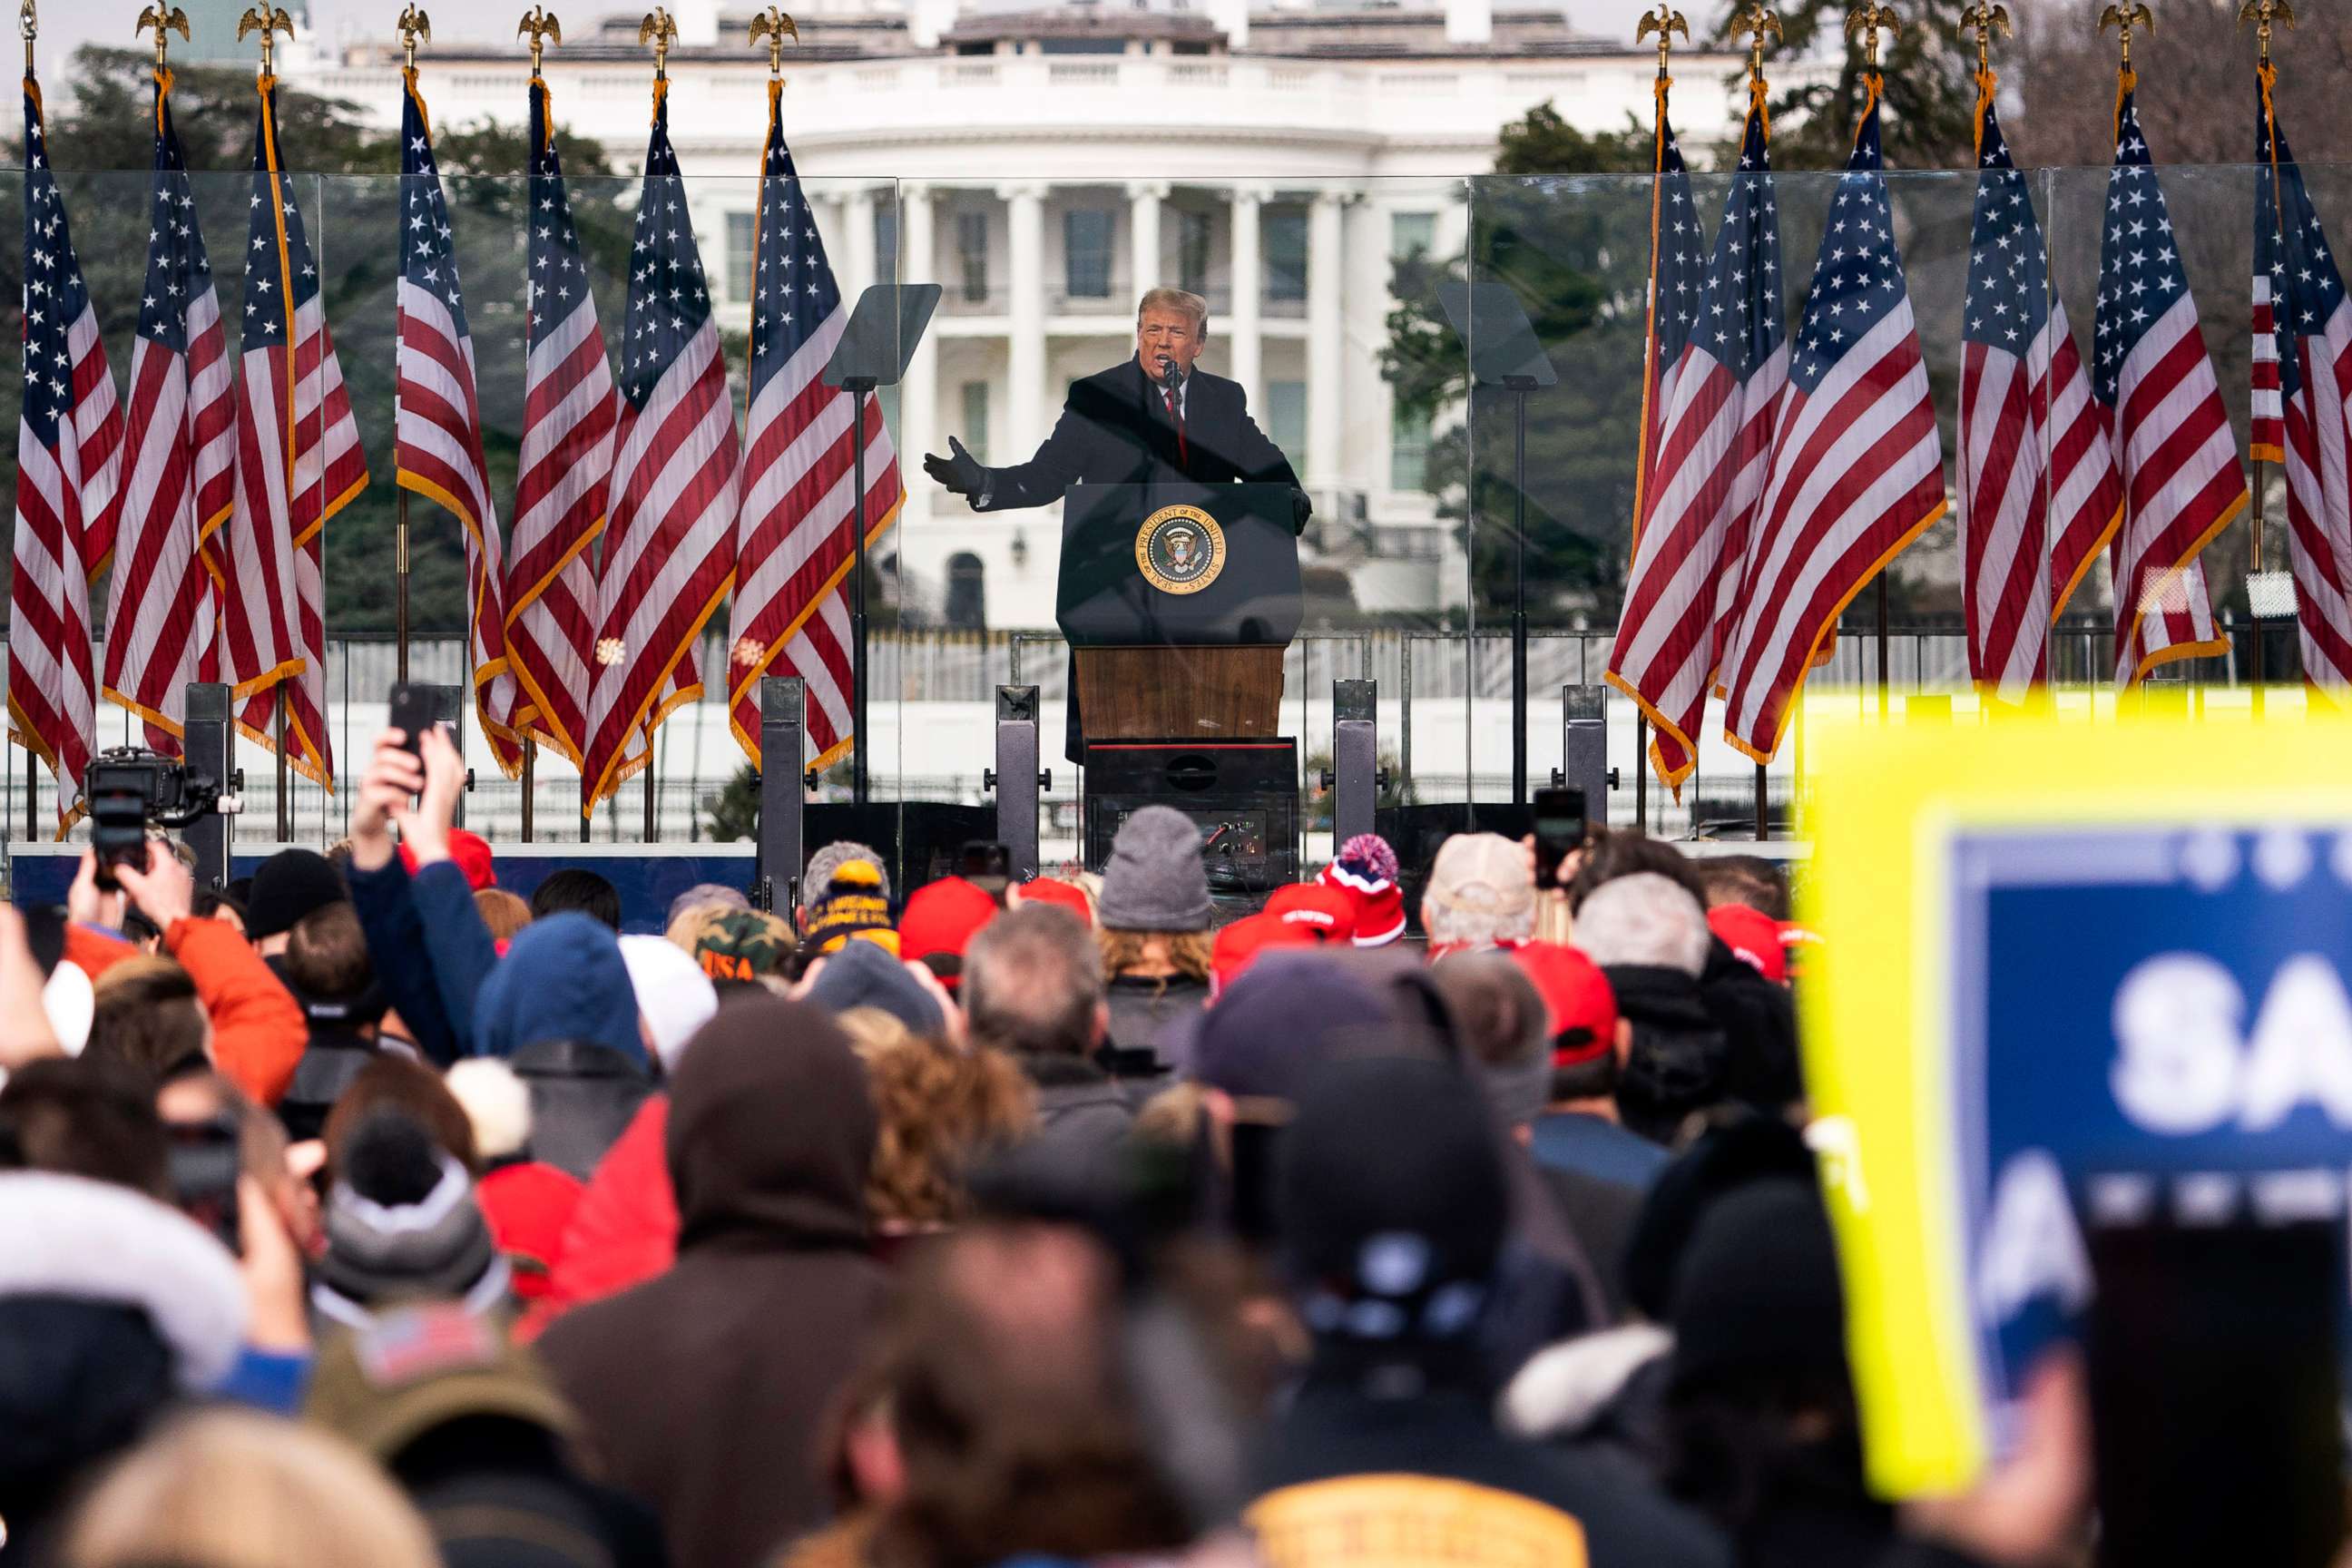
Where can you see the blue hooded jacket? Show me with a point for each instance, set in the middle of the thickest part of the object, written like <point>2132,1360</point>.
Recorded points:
<point>562,979</point>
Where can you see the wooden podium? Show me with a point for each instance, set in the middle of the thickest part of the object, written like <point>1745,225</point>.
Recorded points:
<point>1178,601</point>
<point>1168,691</point>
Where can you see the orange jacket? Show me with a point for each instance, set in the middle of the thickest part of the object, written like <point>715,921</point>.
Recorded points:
<point>258,1030</point>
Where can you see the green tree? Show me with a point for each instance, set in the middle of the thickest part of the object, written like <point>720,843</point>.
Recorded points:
<point>1561,225</point>
<point>733,813</point>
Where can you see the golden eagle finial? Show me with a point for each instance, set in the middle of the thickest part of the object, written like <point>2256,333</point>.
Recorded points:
<point>1869,19</point>
<point>544,29</point>
<point>268,22</point>
<point>774,25</point>
<point>1755,21</point>
<point>1665,21</point>
<point>2123,19</point>
<point>415,27</point>
<point>661,32</point>
<point>164,19</point>
<point>1986,21</point>
<point>2262,13</point>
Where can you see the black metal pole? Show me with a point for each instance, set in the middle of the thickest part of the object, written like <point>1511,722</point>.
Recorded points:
<point>529,771</point>
<point>1640,771</point>
<point>1763,825</point>
<point>284,791</point>
<point>1520,605</point>
<point>2253,566</point>
<point>400,585</point>
<point>1881,643</point>
<point>32,795</point>
<point>858,731</point>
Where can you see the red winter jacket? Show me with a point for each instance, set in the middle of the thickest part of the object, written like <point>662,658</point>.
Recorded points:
<point>625,1230</point>
<point>529,1207</point>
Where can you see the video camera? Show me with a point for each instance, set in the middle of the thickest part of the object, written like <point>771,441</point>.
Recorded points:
<point>128,789</point>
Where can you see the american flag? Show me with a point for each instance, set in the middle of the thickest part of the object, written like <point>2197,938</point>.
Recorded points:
<point>1715,437</point>
<point>437,432</point>
<point>163,607</point>
<point>2151,376</point>
<point>2302,395</point>
<point>793,547</point>
<point>567,456</point>
<point>68,464</point>
<point>2036,468</point>
<point>1856,469</point>
<point>297,463</point>
<point>669,536</point>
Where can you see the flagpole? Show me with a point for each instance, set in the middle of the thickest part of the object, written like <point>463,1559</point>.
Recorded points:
<point>29,25</point>
<point>2262,14</point>
<point>530,756</point>
<point>1664,21</point>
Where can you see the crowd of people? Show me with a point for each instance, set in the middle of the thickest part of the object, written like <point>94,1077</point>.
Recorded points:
<point>368,1215</point>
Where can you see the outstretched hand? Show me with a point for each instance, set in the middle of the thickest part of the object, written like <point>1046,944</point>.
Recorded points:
<point>959,473</point>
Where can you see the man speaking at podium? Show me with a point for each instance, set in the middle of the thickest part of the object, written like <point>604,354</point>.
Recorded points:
<point>1149,420</point>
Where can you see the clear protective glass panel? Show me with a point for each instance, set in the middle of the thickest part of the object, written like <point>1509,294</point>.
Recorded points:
<point>1303,279</point>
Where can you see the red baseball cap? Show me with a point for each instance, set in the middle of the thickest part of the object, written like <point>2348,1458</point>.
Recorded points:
<point>939,921</point>
<point>470,852</point>
<point>1238,945</point>
<point>1754,936</point>
<point>1325,910</point>
<point>1580,1007</point>
<point>1053,890</point>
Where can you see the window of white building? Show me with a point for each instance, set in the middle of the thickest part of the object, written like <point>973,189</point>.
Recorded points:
<point>1409,449</point>
<point>975,418</point>
<point>1286,418</point>
<point>1411,232</point>
<point>1285,253</point>
<point>1085,252</point>
<point>741,227</point>
<point>972,255</point>
<point>1192,252</point>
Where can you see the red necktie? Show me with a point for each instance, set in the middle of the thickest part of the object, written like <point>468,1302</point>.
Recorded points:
<point>1183,458</point>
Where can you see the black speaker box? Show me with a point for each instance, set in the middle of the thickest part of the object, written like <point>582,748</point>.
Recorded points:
<point>1242,795</point>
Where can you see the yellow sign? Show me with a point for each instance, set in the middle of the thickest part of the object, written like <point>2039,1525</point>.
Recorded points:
<point>1996,1044</point>
<point>1180,550</point>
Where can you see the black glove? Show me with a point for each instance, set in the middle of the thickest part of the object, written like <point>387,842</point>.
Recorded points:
<point>960,473</point>
<point>1301,509</point>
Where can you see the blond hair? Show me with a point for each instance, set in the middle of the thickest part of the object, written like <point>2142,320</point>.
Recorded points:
<point>234,1490</point>
<point>1187,952</point>
<point>1182,300</point>
<point>505,913</point>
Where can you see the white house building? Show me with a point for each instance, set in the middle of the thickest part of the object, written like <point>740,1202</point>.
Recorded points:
<point>1047,164</point>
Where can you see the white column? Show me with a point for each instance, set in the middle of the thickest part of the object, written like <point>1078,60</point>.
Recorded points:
<point>1326,339</point>
<point>1025,391</point>
<point>1143,198</point>
<point>1248,284</point>
<point>919,400</point>
<point>1469,21</point>
<point>857,259</point>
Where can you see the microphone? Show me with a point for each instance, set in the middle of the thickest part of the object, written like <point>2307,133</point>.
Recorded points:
<point>1171,374</point>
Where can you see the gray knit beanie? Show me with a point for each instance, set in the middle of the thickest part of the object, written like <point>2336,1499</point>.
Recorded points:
<point>401,1224</point>
<point>1155,881</point>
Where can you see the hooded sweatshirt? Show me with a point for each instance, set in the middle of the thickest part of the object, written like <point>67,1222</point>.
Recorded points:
<point>707,1389</point>
<point>561,1010</point>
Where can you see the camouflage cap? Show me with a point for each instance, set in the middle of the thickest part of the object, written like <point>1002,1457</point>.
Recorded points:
<point>743,944</point>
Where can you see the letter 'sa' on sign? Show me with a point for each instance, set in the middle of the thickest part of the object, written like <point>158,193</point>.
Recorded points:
<point>2065,982</point>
